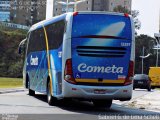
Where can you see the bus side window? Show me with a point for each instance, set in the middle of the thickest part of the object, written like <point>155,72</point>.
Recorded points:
<point>55,34</point>
<point>30,43</point>
<point>36,41</point>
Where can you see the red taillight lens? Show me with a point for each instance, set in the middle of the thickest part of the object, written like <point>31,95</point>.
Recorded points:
<point>75,13</point>
<point>129,78</point>
<point>68,74</point>
<point>131,69</point>
<point>126,14</point>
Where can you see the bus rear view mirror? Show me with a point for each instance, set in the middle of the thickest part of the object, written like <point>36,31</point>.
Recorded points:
<point>21,48</point>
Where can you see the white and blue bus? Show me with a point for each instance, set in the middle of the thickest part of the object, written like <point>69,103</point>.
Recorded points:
<point>81,55</point>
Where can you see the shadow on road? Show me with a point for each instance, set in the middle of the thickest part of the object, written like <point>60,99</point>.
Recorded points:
<point>4,91</point>
<point>88,108</point>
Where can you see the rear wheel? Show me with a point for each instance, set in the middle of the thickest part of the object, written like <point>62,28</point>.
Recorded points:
<point>50,99</point>
<point>30,92</point>
<point>102,103</point>
<point>149,88</point>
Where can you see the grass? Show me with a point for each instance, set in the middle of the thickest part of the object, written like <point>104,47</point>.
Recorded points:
<point>10,82</point>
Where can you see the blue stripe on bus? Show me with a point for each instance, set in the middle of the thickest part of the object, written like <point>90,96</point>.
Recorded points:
<point>41,80</point>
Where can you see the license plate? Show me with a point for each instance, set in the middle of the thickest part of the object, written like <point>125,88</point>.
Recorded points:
<point>140,82</point>
<point>98,91</point>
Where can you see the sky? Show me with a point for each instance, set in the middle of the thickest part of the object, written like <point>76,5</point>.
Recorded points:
<point>149,15</point>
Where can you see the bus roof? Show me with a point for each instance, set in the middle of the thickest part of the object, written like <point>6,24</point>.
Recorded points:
<point>100,12</point>
<point>61,17</point>
<point>46,22</point>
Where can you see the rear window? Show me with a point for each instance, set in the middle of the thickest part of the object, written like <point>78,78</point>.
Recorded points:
<point>101,25</point>
<point>139,77</point>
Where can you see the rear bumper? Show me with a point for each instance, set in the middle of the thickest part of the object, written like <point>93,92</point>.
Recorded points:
<point>155,84</point>
<point>88,92</point>
<point>141,86</point>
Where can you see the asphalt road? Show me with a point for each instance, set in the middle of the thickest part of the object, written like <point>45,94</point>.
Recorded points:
<point>36,108</point>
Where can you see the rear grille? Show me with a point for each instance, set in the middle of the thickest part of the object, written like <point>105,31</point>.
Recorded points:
<point>101,51</point>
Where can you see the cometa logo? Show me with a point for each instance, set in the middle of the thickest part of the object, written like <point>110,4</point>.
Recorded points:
<point>34,61</point>
<point>99,69</point>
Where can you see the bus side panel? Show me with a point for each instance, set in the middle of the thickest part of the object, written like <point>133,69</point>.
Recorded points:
<point>55,33</point>
<point>37,70</point>
<point>45,36</point>
<point>56,70</point>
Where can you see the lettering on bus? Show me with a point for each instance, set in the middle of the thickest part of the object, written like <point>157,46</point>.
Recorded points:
<point>125,44</point>
<point>99,69</point>
<point>34,61</point>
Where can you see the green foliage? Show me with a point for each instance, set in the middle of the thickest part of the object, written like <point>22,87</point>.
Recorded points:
<point>137,23</point>
<point>148,43</point>
<point>121,9</point>
<point>10,60</point>
<point>10,82</point>
<point>134,13</point>
<point>16,69</point>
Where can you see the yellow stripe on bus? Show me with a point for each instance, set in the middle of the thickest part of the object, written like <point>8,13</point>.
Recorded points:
<point>96,81</point>
<point>48,58</point>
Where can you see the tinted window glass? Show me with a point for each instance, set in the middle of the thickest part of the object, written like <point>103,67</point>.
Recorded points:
<point>102,25</point>
<point>55,33</point>
<point>36,41</point>
<point>139,77</point>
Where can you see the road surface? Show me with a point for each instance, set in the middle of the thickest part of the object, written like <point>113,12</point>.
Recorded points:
<point>36,108</point>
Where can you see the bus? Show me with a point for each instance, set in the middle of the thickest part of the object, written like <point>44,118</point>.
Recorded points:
<point>154,74</point>
<point>81,55</point>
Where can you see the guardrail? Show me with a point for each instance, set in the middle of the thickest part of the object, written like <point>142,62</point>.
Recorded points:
<point>13,25</point>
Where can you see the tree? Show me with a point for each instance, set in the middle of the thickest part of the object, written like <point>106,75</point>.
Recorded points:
<point>121,9</point>
<point>134,14</point>
<point>137,23</point>
<point>147,42</point>
<point>10,62</point>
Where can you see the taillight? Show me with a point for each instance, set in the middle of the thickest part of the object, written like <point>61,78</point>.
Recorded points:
<point>75,13</point>
<point>126,14</point>
<point>129,78</point>
<point>68,73</point>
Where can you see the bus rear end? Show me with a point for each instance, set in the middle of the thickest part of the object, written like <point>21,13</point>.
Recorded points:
<point>101,63</point>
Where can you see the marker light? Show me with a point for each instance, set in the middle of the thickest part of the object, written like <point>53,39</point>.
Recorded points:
<point>68,73</point>
<point>126,14</point>
<point>75,13</point>
<point>129,78</point>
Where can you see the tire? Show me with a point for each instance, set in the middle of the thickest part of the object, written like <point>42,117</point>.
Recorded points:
<point>102,103</point>
<point>50,99</point>
<point>30,92</point>
<point>149,88</point>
